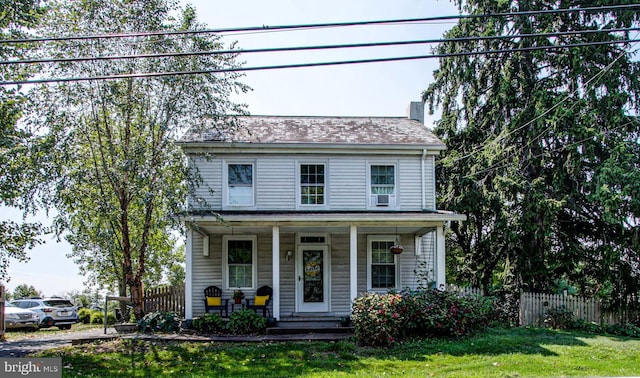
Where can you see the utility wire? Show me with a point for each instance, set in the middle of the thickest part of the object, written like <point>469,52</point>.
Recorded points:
<point>321,47</point>
<point>306,65</point>
<point>322,25</point>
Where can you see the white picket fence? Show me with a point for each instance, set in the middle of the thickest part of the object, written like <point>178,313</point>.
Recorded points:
<point>535,306</point>
<point>466,291</point>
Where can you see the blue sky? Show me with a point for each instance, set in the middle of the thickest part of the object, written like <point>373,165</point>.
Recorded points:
<point>374,89</point>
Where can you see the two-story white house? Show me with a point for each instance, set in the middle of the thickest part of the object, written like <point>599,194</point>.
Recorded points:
<point>311,206</point>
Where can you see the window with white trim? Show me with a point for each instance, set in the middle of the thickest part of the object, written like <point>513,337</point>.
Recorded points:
<point>240,261</point>
<point>382,184</point>
<point>240,184</point>
<point>382,263</point>
<point>312,184</point>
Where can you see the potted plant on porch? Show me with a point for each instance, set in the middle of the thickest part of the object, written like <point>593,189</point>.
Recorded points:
<point>238,296</point>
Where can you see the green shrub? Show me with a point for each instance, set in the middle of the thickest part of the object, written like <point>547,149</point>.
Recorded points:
<point>382,319</point>
<point>505,308</point>
<point>111,318</point>
<point>585,326</point>
<point>160,321</point>
<point>246,322</point>
<point>558,317</point>
<point>97,317</point>
<point>209,323</point>
<point>84,315</point>
<point>628,329</point>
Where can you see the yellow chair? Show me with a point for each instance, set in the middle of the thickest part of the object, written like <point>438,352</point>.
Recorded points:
<point>213,300</point>
<point>261,300</point>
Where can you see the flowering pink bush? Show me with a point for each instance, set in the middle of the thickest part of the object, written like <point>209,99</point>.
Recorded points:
<point>382,319</point>
<point>376,320</point>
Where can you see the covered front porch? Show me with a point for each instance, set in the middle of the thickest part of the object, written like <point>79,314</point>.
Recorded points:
<point>316,263</point>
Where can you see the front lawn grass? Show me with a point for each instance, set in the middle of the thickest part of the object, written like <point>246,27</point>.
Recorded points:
<point>498,352</point>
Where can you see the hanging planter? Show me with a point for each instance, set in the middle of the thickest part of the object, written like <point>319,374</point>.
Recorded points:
<point>396,249</point>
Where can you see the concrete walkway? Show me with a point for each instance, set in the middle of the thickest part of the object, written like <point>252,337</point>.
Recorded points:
<point>32,343</point>
<point>24,346</point>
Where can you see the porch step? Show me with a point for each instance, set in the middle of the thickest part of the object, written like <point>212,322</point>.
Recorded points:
<point>308,324</point>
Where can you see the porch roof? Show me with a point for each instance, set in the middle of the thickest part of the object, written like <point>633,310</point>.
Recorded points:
<point>404,221</point>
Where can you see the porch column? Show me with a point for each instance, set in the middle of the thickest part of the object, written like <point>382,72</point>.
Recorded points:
<point>440,258</point>
<point>353,261</point>
<point>188,275</point>
<point>275,262</point>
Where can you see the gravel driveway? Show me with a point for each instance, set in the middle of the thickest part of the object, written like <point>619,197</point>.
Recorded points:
<point>21,344</point>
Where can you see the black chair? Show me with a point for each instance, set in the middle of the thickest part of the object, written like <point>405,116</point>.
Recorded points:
<point>261,300</point>
<point>213,300</point>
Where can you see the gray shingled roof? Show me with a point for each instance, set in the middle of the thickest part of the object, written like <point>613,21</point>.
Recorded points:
<point>325,130</point>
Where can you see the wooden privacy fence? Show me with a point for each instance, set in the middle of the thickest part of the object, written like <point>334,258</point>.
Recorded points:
<point>2,298</point>
<point>166,298</point>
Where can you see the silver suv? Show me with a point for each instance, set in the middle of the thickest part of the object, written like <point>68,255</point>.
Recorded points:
<point>57,312</point>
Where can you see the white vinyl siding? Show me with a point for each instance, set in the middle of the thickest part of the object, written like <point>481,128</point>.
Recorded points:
<point>346,182</point>
<point>430,180</point>
<point>276,177</point>
<point>206,270</point>
<point>340,280</point>
<point>409,184</point>
<point>209,193</point>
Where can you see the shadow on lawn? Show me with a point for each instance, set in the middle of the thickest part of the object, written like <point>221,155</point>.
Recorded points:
<point>274,359</point>
<point>500,341</point>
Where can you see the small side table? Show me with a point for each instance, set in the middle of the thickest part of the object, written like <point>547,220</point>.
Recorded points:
<point>239,305</point>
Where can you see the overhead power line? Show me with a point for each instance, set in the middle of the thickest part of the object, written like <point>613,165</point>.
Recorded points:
<point>609,8</point>
<point>321,47</point>
<point>316,64</point>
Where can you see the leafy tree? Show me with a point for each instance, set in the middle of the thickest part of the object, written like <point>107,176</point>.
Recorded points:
<point>543,154</point>
<point>176,274</point>
<point>113,171</point>
<point>25,291</point>
<point>16,17</point>
<point>86,299</point>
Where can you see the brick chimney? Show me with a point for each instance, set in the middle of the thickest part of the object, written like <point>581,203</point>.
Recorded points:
<point>416,111</point>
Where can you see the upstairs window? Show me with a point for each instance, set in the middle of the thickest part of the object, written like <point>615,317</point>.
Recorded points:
<point>240,184</point>
<point>382,185</point>
<point>312,184</point>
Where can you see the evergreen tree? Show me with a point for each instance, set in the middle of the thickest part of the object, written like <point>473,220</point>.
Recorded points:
<point>543,153</point>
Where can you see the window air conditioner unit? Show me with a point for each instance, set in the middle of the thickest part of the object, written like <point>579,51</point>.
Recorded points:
<point>382,200</point>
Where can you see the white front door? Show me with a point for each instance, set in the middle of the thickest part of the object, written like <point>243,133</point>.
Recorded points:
<point>312,279</point>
